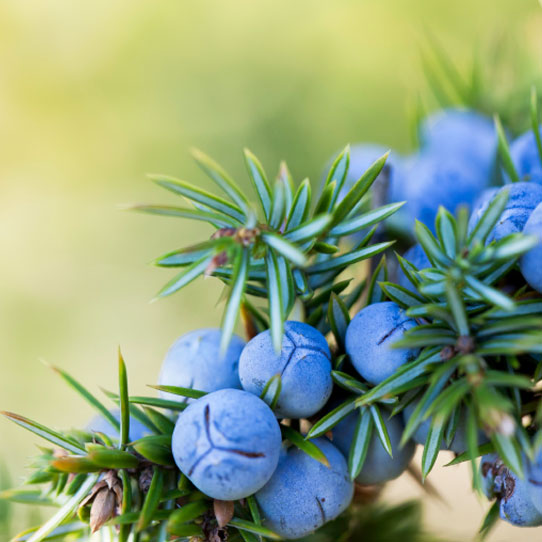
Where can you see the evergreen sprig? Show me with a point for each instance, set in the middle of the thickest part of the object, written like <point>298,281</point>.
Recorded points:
<point>284,249</point>
<point>479,345</point>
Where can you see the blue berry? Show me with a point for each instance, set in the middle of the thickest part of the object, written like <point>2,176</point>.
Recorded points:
<point>99,424</point>
<point>379,467</point>
<point>303,363</point>
<point>227,443</point>
<point>433,179</point>
<point>194,361</point>
<point>480,205</point>
<point>531,263</point>
<point>461,133</point>
<point>526,158</point>
<point>369,339</point>
<point>534,477</point>
<point>513,494</point>
<point>522,199</point>
<point>416,256</point>
<point>303,494</point>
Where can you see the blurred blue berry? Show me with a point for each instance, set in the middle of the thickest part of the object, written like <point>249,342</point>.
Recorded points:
<point>526,158</point>
<point>531,263</point>
<point>99,424</point>
<point>523,197</point>
<point>194,361</point>
<point>379,466</point>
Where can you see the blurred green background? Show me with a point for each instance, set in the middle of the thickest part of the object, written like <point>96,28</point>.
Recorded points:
<point>95,95</point>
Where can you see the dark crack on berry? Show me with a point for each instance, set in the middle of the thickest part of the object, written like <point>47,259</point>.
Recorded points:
<point>321,508</point>
<point>392,331</point>
<point>213,446</point>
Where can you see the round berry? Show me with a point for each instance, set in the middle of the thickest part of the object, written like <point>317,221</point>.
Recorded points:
<point>100,424</point>
<point>522,200</point>
<point>462,133</point>
<point>370,337</point>
<point>526,157</point>
<point>227,443</point>
<point>195,361</point>
<point>531,263</point>
<point>303,494</point>
<point>303,364</point>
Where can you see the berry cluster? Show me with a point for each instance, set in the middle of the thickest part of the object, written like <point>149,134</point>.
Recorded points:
<point>346,367</point>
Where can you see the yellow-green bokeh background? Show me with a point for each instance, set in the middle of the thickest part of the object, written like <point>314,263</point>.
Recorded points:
<point>94,95</point>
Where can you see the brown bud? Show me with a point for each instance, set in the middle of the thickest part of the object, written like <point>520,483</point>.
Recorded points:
<point>145,479</point>
<point>223,512</point>
<point>102,509</point>
<point>216,262</point>
<point>465,344</point>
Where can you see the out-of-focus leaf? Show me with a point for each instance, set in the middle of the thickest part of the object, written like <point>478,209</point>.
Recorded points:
<point>45,433</point>
<point>193,193</point>
<point>432,444</point>
<point>221,178</point>
<point>186,276</point>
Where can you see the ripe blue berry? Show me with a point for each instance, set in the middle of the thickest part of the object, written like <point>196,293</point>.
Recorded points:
<point>194,361</point>
<point>461,133</point>
<point>369,339</point>
<point>99,424</point>
<point>303,494</point>
<point>513,493</point>
<point>379,466</point>
<point>534,477</point>
<point>227,443</point>
<point>416,256</point>
<point>522,199</point>
<point>303,363</point>
<point>531,263</point>
<point>526,158</point>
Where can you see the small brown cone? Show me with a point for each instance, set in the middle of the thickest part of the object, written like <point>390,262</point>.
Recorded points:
<point>223,512</point>
<point>102,509</point>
